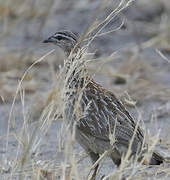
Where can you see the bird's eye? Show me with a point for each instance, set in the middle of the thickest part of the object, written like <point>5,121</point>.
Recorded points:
<point>59,38</point>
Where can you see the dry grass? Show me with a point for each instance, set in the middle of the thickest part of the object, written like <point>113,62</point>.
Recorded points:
<point>47,107</point>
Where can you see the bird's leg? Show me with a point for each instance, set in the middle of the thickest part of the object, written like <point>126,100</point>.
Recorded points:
<point>94,157</point>
<point>116,158</point>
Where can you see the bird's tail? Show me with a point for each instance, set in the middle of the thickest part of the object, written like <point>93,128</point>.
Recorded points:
<point>156,159</point>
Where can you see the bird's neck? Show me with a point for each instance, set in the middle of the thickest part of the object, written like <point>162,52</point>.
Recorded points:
<point>76,72</point>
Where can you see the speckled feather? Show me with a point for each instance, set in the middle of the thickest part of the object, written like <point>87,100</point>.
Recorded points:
<point>103,113</point>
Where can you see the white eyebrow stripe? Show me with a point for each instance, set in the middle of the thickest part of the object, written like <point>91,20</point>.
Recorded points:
<point>69,33</point>
<point>64,36</point>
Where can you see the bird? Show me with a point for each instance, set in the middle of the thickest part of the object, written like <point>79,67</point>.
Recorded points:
<point>103,112</point>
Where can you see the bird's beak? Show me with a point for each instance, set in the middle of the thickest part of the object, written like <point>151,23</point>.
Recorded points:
<point>45,41</point>
<point>49,40</point>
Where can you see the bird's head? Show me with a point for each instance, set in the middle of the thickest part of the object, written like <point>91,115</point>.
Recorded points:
<point>66,40</point>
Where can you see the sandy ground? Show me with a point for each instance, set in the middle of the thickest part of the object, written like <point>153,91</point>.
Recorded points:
<point>146,77</point>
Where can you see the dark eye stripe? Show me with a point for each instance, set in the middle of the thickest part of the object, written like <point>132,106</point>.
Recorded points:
<point>62,37</point>
<point>68,34</point>
<point>59,37</point>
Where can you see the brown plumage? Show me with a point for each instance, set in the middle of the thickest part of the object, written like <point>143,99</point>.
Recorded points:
<point>103,113</point>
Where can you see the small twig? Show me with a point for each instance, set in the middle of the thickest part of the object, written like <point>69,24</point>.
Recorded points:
<point>162,55</point>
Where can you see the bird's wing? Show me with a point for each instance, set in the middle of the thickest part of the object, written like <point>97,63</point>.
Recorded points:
<point>106,115</point>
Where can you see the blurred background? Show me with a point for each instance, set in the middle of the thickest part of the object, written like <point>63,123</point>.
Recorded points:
<point>138,72</point>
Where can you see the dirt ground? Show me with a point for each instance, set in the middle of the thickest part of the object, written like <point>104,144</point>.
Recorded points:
<point>138,73</point>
